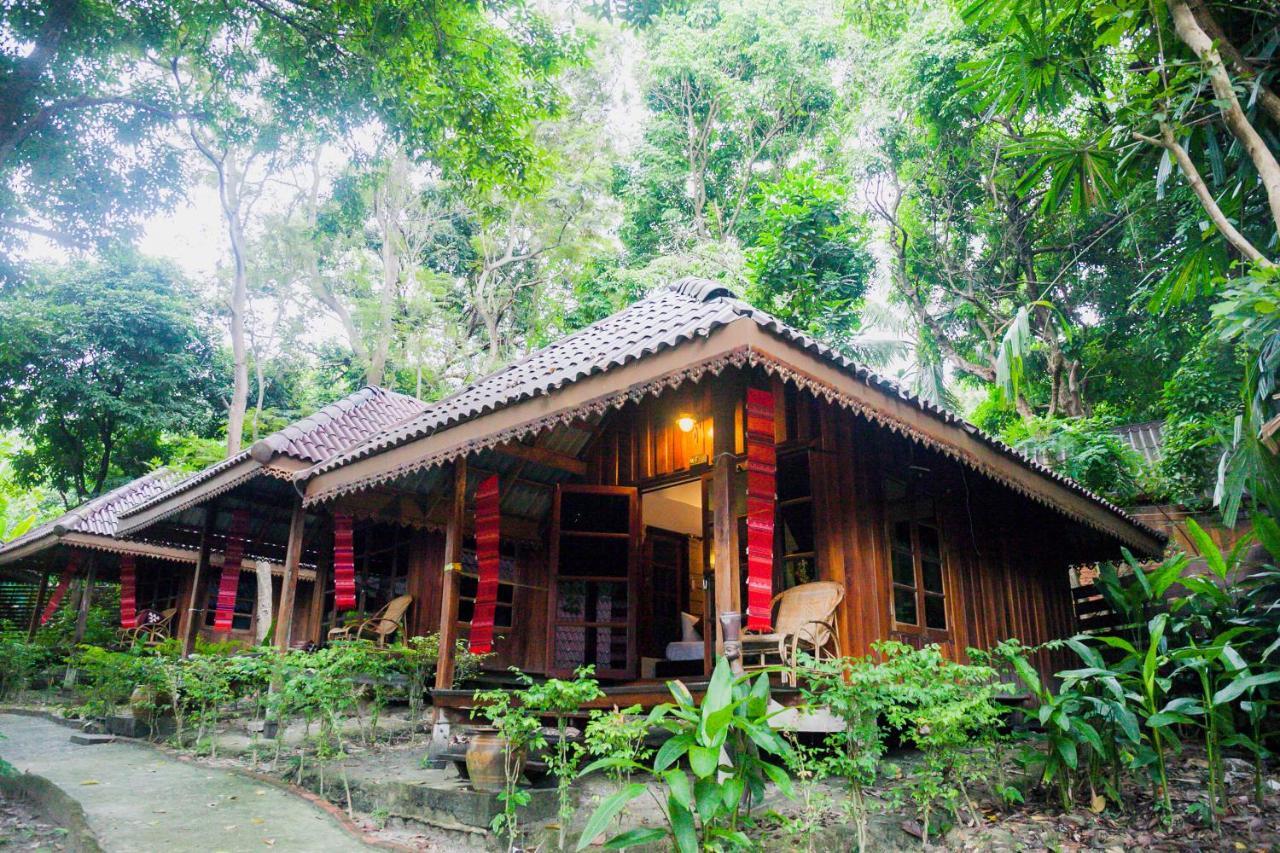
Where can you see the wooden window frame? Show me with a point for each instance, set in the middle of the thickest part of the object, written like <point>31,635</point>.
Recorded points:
<point>907,511</point>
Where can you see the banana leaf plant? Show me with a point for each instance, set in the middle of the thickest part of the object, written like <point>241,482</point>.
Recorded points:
<point>731,753</point>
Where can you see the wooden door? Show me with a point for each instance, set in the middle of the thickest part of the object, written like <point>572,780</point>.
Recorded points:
<point>595,532</point>
<point>664,589</point>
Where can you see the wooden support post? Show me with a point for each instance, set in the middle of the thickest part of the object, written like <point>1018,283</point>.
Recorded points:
<point>324,574</point>
<point>33,624</point>
<point>452,565</point>
<point>86,598</point>
<point>189,625</point>
<point>289,583</point>
<point>725,396</point>
<point>82,618</point>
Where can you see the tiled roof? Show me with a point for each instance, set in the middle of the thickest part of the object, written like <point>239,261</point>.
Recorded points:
<point>316,438</point>
<point>343,424</point>
<point>690,308</point>
<point>100,515</point>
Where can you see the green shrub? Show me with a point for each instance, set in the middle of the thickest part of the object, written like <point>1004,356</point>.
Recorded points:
<point>732,753</point>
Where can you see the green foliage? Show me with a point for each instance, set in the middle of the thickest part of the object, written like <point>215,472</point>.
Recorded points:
<point>944,709</point>
<point>99,360</point>
<point>857,691</point>
<point>1200,401</point>
<point>1249,315</point>
<point>732,753</point>
<point>809,264</point>
<point>619,734</point>
<point>1195,655</point>
<point>520,728</point>
<point>1089,451</point>
<point>734,89</point>
<point>99,95</point>
<point>20,663</point>
<point>559,699</point>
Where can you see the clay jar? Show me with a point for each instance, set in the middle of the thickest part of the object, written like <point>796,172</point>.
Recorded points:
<point>486,760</point>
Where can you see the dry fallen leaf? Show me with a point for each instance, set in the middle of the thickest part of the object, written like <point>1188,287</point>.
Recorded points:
<point>1097,804</point>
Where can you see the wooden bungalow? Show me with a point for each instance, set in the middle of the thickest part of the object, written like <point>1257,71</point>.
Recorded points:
<point>174,530</point>
<point>586,496</point>
<point>81,546</point>
<point>623,466</point>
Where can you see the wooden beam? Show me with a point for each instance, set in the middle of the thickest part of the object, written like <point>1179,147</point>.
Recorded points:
<point>189,626</point>
<point>289,583</point>
<point>324,572</point>
<point>452,567</point>
<point>82,618</point>
<point>543,456</point>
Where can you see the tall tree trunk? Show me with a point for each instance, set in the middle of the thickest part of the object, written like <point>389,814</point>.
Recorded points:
<point>230,183</point>
<point>386,213</point>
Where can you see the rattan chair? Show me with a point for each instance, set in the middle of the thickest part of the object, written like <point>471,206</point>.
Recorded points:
<point>804,618</point>
<point>379,626</point>
<point>154,627</point>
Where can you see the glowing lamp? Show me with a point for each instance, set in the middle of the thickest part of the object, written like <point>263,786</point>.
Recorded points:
<point>686,423</point>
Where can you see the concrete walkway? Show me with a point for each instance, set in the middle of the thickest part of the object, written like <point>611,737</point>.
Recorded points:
<point>137,799</point>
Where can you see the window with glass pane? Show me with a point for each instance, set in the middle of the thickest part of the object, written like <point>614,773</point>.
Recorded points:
<point>795,521</point>
<point>915,553</point>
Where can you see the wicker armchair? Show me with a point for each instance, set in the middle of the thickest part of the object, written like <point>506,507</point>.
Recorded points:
<point>379,626</point>
<point>805,618</point>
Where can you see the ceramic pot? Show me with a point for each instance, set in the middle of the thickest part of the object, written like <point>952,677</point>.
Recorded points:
<point>486,761</point>
<point>142,702</point>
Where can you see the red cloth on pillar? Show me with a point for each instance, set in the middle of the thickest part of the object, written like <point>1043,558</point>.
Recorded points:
<point>762,469</point>
<point>128,592</point>
<point>487,561</point>
<point>344,563</point>
<point>64,581</point>
<point>232,559</point>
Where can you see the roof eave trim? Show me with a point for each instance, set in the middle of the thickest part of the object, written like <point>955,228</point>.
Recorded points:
<point>154,511</point>
<point>739,343</point>
<point>18,549</point>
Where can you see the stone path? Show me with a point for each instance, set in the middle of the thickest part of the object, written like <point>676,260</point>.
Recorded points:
<point>137,799</point>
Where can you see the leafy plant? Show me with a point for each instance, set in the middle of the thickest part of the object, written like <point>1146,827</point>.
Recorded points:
<point>856,690</point>
<point>559,699</point>
<point>732,753</point>
<point>942,708</point>
<point>521,730</point>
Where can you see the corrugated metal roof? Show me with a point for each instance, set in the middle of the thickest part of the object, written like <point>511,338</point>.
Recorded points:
<point>688,309</point>
<point>101,515</point>
<point>1146,438</point>
<point>316,438</point>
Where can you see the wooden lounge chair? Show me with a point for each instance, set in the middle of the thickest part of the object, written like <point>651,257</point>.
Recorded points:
<point>379,626</point>
<point>154,627</point>
<point>804,618</point>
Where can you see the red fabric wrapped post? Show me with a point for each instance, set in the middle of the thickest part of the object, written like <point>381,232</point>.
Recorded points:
<point>64,581</point>
<point>487,561</point>
<point>232,559</point>
<point>344,563</point>
<point>762,469</point>
<point>128,592</point>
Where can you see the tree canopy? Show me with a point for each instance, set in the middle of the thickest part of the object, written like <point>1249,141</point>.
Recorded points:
<point>100,362</point>
<point>1055,219</point>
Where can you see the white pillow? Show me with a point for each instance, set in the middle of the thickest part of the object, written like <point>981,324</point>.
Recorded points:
<point>688,628</point>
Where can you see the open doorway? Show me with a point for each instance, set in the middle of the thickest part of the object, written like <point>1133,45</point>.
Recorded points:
<point>673,595</point>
